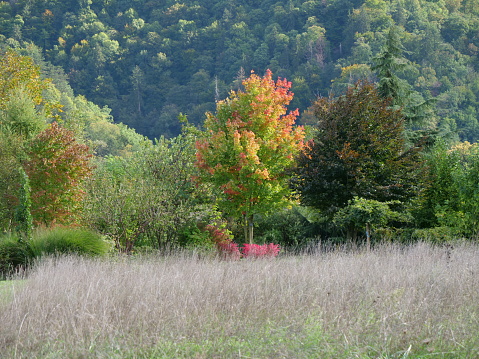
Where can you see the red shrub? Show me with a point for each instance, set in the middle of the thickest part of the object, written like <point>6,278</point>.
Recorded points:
<point>224,242</point>
<point>260,251</point>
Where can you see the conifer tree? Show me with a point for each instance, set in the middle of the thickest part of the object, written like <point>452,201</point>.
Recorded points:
<point>417,111</point>
<point>388,63</point>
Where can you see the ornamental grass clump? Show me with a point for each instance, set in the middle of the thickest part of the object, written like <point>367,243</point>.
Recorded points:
<point>64,240</point>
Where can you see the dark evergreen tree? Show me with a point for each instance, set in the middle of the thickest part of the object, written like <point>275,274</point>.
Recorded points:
<point>391,61</point>
<point>388,63</point>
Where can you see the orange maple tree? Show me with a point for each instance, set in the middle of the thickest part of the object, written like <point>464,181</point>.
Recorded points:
<point>248,145</point>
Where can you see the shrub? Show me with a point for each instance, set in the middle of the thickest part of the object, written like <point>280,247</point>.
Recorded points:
<point>192,237</point>
<point>289,228</point>
<point>60,240</point>
<point>230,250</point>
<point>436,234</point>
<point>260,250</point>
<point>14,255</point>
<point>223,240</point>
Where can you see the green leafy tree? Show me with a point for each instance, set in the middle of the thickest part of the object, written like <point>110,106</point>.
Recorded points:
<point>467,185</point>
<point>11,154</point>
<point>20,115</point>
<point>247,147</point>
<point>23,114</point>
<point>147,198</point>
<point>451,199</point>
<point>440,204</point>
<point>366,214</point>
<point>23,106</point>
<point>57,167</point>
<point>119,197</point>
<point>350,75</point>
<point>20,72</point>
<point>23,215</point>
<point>358,150</point>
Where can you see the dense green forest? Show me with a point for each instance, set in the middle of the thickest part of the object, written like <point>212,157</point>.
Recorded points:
<point>143,121</point>
<point>150,60</point>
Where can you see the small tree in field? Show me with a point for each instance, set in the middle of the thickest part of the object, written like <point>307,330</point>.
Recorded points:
<point>358,151</point>
<point>56,168</point>
<point>366,214</point>
<point>248,145</point>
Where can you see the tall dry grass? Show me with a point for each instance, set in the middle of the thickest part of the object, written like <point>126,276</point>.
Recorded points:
<point>390,302</point>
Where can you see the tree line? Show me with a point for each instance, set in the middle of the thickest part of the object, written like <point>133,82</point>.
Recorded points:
<point>364,169</point>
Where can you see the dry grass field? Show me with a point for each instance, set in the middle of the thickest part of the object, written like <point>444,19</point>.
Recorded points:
<point>392,302</point>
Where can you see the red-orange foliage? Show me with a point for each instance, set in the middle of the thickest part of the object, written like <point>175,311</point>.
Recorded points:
<point>56,167</point>
<point>224,243</point>
<point>249,143</point>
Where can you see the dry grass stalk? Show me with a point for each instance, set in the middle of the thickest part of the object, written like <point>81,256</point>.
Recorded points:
<point>388,300</point>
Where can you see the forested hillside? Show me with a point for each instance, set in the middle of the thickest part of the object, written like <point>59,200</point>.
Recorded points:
<point>150,60</point>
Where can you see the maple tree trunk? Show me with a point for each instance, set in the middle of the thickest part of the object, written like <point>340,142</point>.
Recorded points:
<point>248,228</point>
<point>245,228</point>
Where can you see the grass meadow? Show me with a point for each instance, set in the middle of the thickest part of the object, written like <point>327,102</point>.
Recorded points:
<point>418,301</point>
